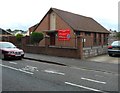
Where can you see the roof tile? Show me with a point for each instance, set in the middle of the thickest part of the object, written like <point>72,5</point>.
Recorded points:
<point>79,22</point>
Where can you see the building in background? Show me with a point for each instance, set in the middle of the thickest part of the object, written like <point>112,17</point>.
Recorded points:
<point>4,35</point>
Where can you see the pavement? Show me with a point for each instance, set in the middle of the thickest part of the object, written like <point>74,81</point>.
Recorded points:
<point>76,63</point>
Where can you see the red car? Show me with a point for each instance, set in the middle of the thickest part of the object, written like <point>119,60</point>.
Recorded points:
<point>10,51</point>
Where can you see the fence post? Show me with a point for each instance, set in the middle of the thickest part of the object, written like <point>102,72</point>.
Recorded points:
<point>80,47</point>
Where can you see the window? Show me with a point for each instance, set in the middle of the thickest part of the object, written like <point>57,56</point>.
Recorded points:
<point>100,39</point>
<point>77,33</point>
<point>105,38</point>
<point>52,21</point>
<point>95,37</point>
<point>87,34</point>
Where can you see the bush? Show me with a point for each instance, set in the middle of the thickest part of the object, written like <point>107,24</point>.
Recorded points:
<point>19,37</point>
<point>36,37</point>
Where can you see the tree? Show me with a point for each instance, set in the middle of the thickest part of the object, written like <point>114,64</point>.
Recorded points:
<point>36,37</point>
<point>9,30</point>
<point>19,37</point>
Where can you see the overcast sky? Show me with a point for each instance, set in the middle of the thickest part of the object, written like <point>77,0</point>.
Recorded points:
<point>21,14</point>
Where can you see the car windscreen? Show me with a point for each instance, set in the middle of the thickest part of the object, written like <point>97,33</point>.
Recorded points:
<point>116,43</point>
<point>7,45</point>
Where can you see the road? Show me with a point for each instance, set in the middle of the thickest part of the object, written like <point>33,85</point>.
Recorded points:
<point>28,75</point>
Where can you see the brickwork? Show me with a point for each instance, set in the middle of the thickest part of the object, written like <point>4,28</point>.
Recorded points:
<point>95,39</point>
<point>12,39</point>
<point>60,24</point>
<point>88,41</point>
<point>77,52</point>
<point>94,51</point>
<point>52,50</point>
<point>44,25</point>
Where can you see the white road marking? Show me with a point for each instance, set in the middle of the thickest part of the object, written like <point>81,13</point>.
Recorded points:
<point>54,72</point>
<point>12,62</point>
<point>88,88</point>
<point>16,69</point>
<point>78,68</point>
<point>86,69</point>
<point>99,76</point>
<point>93,80</point>
<point>30,68</point>
<point>25,71</point>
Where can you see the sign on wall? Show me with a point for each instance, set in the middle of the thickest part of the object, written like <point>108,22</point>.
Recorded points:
<point>64,35</point>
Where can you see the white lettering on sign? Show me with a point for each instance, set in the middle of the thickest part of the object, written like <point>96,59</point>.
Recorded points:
<point>64,35</point>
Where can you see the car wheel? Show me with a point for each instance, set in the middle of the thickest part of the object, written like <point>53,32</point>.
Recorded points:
<point>111,55</point>
<point>20,58</point>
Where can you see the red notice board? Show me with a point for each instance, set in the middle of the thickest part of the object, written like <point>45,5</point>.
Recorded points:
<point>63,35</point>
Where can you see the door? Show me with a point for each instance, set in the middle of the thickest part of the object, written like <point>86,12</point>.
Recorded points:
<point>52,39</point>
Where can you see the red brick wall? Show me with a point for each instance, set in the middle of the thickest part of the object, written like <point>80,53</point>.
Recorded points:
<point>12,39</point>
<point>61,24</point>
<point>31,29</point>
<point>90,39</point>
<point>44,25</point>
<point>54,51</point>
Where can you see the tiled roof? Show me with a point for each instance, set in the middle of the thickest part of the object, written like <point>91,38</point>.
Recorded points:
<point>79,22</point>
<point>34,27</point>
<point>2,31</point>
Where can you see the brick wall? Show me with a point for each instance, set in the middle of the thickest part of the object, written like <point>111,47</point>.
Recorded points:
<point>88,41</point>
<point>12,39</point>
<point>54,51</point>
<point>60,24</point>
<point>78,52</point>
<point>94,51</point>
<point>44,25</point>
<point>34,49</point>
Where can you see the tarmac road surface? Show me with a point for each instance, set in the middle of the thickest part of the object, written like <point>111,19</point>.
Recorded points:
<point>29,75</point>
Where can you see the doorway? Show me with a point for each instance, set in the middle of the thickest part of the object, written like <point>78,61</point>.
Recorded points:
<point>52,39</point>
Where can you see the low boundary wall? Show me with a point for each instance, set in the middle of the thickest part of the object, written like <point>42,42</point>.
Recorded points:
<point>66,52</point>
<point>54,51</point>
<point>94,51</point>
<point>80,51</point>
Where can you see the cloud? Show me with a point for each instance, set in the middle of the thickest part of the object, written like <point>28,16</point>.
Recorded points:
<point>24,13</point>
